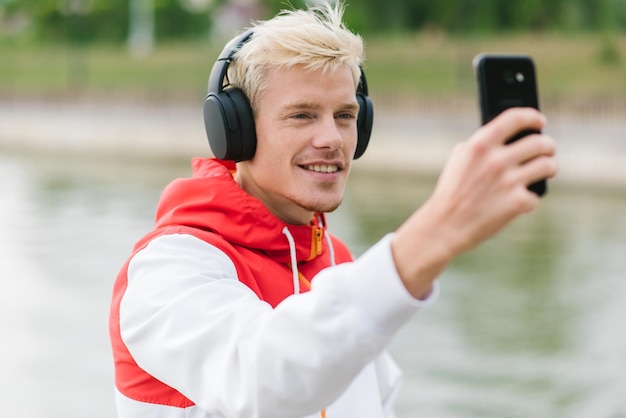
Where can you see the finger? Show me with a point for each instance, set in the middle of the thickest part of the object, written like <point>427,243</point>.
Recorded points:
<point>511,122</point>
<point>540,168</point>
<point>530,147</point>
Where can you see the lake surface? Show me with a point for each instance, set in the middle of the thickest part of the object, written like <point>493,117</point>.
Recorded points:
<point>531,324</point>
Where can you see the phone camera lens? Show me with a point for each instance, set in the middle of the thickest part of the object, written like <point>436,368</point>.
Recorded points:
<point>509,77</point>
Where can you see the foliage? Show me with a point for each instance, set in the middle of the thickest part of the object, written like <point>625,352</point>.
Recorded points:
<point>88,20</point>
<point>463,16</point>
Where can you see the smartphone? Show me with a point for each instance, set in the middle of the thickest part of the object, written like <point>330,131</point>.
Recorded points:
<point>506,81</point>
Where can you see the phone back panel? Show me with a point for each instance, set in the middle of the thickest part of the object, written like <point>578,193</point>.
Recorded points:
<point>505,81</point>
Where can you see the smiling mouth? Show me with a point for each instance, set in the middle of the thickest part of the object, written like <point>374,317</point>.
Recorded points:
<point>321,168</point>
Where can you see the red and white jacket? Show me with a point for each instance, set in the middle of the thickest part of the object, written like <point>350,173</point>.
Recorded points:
<point>212,314</point>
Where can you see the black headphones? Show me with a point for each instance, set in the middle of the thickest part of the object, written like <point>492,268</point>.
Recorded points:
<point>228,117</point>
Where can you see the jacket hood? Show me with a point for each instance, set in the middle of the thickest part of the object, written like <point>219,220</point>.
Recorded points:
<point>211,200</point>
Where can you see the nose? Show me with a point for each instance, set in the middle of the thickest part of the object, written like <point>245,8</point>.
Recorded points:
<point>329,135</point>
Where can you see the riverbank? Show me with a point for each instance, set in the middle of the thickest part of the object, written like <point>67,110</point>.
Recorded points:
<point>592,150</point>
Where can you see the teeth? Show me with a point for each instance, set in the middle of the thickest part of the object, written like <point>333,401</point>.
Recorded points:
<point>322,168</point>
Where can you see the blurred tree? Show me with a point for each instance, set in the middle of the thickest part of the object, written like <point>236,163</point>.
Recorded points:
<point>174,20</point>
<point>274,6</point>
<point>85,20</point>
<point>141,34</point>
<point>76,20</point>
<point>463,16</point>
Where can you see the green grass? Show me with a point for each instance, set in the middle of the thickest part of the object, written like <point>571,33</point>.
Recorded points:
<point>178,70</point>
<point>426,64</point>
<point>431,65</point>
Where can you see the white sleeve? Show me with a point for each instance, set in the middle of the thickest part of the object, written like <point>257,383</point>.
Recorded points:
<point>389,378</point>
<point>190,323</point>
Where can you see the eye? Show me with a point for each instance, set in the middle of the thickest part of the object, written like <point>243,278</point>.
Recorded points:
<point>346,115</point>
<point>300,116</point>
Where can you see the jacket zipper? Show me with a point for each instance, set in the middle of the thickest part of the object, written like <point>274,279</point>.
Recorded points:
<point>317,242</point>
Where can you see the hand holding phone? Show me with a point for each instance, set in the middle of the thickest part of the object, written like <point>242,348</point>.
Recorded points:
<point>506,81</point>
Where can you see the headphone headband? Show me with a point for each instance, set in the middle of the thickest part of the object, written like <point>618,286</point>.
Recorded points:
<point>228,117</point>
<point>218,72</point>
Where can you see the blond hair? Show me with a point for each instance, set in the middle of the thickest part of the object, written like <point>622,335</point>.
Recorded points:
<point>315,38</point>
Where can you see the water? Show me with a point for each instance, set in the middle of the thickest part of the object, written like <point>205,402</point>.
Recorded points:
<point>530,324</point>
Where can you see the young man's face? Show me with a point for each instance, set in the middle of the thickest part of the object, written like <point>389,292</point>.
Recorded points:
<point>306,138</point>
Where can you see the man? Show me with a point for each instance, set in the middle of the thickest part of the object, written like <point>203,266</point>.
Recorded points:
<point>212,314</point>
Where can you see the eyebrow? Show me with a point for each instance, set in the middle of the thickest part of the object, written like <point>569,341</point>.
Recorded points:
<point>353,106</point>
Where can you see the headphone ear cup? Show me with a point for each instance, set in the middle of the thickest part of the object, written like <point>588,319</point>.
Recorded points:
<point>365,121</point>
<point>229,125</point>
